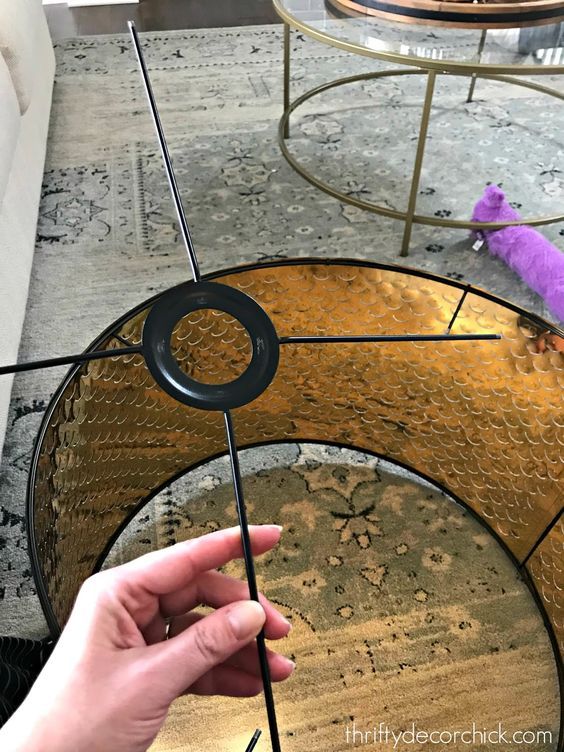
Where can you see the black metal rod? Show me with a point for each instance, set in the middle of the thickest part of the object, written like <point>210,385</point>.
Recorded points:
<point>251,579</point>
<point>184,228</point>
<point>122,340</point>
<point>551,526</point>
<point>68,360</point>
<point>388,338</point>
<point>458,307</point>
<point>254,740</point>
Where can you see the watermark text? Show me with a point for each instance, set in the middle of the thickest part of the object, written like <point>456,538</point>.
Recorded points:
<point>474,735</point>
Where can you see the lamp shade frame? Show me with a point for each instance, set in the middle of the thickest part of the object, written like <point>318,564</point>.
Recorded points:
<point>522,562</point>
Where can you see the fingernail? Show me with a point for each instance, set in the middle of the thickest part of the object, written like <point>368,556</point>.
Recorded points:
<point>288,624</point>
<point>289,663</point>
<point>246,619</point>
<point>261,527</point>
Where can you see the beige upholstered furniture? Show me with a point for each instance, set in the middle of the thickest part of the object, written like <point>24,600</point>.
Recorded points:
<point>27,67</point>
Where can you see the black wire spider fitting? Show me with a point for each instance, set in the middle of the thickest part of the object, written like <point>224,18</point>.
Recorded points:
<point>254,740</point>
<point>156,349</point>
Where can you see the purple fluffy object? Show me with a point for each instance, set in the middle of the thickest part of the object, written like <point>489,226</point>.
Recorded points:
<point>539,264</point>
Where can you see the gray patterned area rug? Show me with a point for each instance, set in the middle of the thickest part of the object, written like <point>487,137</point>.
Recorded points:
<point>108,238</point>
<point>398,598</point>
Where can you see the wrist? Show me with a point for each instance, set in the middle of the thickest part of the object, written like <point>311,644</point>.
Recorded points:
<point>28,731</point>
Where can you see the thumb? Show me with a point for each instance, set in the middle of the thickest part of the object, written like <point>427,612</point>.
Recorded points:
<point>183,659</point>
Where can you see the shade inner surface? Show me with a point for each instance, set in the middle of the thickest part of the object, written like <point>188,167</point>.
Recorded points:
<point>404,608</point>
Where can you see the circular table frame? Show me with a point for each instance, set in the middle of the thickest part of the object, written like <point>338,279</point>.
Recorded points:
<point>418,66</point>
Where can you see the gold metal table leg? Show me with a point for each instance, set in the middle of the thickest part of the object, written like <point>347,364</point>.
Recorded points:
<point>474,75</point>
<point>286,77</point>
<point>409,216</point>
<point>420,153</point>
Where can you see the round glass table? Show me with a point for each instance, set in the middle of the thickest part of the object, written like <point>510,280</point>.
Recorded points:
<point>500,50</point>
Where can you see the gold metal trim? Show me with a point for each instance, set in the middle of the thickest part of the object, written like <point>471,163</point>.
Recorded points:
<point>419,155</point>
<point>409,216</point>
<point>481,46</point>
<point>444,66</point>
<point>460,8</point>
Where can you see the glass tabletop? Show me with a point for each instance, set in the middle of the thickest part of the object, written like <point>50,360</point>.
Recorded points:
<point>530,49</point>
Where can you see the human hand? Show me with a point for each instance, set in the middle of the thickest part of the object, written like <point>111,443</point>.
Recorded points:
<point>112,675</point>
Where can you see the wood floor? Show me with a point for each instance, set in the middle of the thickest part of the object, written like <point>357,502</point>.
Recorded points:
<point>157,15</point>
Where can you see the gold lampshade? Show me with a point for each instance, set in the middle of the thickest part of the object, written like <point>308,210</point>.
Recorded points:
<point>482,420</point>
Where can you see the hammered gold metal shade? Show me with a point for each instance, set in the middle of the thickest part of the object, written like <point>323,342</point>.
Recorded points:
<point>481,419</point>
<point>546,566</point>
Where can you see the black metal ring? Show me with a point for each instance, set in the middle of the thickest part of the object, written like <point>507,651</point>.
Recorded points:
<point>176,303</point>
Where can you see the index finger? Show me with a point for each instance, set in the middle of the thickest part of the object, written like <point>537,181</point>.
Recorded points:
<point>168,570</point>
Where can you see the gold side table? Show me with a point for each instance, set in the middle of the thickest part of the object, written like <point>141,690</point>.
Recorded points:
<point>455,51</point>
